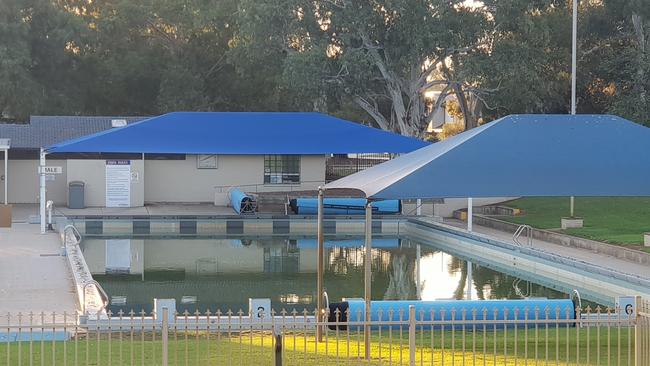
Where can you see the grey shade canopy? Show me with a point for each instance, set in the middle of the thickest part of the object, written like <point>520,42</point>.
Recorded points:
<point>519,155</point>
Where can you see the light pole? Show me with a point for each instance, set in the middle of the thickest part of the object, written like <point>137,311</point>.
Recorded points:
<point>574,60</point>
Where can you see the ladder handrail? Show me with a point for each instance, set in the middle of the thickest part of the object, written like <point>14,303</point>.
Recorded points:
<point>75,233</point>
<point>101,291</point>
<point>520,230</point>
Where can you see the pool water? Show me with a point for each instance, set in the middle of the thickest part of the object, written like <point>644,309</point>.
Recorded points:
<point>223,273</point>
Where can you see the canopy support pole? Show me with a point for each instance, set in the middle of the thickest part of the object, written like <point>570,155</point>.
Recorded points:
<point>367,277</point>
<point>572,204</point>
<point>41,175</point>
<point>418,207</point>
<point>6,177</point>
<point>418,258</point>
<point>319,280</point>
<point>470,214</point>
<point>469,281</point>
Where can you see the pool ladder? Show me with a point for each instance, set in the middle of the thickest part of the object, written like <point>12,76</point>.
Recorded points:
<point>518,291</point>
<point>528,230</point>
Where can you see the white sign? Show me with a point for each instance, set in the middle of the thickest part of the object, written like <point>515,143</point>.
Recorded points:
<point>626,305</point>
<point>51,170</point>
<point>259,309</point>
<point>118,183</point>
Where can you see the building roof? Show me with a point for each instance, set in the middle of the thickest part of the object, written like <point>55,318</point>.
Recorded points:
<point>242,133</point>
<point>42,131</point>
<point>520,155</point>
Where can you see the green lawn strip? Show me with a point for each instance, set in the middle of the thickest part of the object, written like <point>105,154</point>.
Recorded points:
<point>456,347</point>
<point>616,220</point>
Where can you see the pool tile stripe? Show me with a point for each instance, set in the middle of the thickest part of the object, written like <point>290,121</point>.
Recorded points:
<point>234,227</point>
<point>188,227</point>
<point>141,227</point>
<point>94,227</point>
<point>280,226</point>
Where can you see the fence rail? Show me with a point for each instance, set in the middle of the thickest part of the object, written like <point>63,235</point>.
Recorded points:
<point>600,336</point>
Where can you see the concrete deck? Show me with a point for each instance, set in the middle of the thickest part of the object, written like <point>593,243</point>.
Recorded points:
<point>599,259</point>
<point>33,276</point>
<point>22,212</point>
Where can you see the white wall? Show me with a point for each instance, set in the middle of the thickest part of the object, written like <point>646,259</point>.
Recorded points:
<point>23,182</point>
<point>159,180</point>
<point>182,181</point>
<point>93,174</point>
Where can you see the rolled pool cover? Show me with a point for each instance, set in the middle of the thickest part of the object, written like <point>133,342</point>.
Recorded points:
<point>472,312</point>
<point>241,202</point>
<point>344,206</point>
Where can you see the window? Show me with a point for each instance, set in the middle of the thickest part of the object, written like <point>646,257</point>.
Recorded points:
<point>279,169</point>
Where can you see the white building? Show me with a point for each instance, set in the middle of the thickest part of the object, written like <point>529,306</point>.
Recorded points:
<point>184,157</point>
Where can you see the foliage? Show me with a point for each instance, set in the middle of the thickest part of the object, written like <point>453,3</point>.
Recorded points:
<point>449,130</point>
<point>369,61</point>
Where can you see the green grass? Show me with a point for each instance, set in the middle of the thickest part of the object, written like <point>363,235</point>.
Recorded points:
<point>616,220</point>
<point>257,348</point>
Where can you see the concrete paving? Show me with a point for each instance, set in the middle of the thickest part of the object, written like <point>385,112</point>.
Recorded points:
<point>599,259</point>
<point>33,275</point>
<point>22,212</point>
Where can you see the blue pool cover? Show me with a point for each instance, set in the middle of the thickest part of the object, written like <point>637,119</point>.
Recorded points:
<point>344,206</point>
<point>520,155</point>
<point>242,133</point>
<point>459,310</point>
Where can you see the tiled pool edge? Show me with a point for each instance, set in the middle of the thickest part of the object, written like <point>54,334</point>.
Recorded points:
<point>208,226</point>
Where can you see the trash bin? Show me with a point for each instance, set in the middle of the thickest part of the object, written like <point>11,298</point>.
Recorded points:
<point>76,194</point>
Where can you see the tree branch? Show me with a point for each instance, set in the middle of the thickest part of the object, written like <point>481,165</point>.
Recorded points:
<point>373,110</point>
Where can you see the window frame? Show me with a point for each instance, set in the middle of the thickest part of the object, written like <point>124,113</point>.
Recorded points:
<point>281,169</point>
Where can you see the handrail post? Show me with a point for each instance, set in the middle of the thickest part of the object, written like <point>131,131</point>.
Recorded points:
<point>412,328</point>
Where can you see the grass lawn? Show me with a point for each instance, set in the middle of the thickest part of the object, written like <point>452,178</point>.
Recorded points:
<point>448,348</point>
<point>616,220</point>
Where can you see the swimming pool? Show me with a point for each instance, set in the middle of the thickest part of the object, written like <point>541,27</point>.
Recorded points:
<point>223,272</point>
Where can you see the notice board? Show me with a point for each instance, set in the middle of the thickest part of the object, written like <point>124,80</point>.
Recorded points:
<point>118,183</point>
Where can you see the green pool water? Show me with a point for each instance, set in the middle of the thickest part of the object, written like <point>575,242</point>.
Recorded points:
<point>223,273</point>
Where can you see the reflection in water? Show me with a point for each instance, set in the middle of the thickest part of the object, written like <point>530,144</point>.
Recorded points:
<point>206,273</point>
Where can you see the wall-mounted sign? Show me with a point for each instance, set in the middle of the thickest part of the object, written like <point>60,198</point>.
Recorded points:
<point>50,169</point>
<point>118,183</point>
<point>206,161</point>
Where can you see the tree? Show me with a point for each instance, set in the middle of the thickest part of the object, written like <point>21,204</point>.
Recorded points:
<point>527,64</point>
<point>381,55</point>
<point>629,59</point>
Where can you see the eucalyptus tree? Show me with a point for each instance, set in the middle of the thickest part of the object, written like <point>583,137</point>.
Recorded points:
<point>383,56</point>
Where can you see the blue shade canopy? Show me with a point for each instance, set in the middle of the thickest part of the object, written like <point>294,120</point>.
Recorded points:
<point>241,133</point>
<point>520,155</point>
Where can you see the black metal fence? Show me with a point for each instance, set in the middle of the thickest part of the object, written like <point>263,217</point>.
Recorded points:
<point>339,166</point>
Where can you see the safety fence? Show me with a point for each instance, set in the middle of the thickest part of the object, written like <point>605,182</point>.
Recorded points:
<point>339,166</point>
<point>403,337</point>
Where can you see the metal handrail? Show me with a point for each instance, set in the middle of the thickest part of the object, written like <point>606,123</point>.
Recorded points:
<point>290,186</point>
<point>75,233</point>
<point>101,291</point>
<point>520,230</point>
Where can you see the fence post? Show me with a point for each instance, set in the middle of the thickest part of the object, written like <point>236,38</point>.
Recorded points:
<point>412,327</point>
<point>638,340</point>
<point>165,336</point>
<point>278,349</point>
